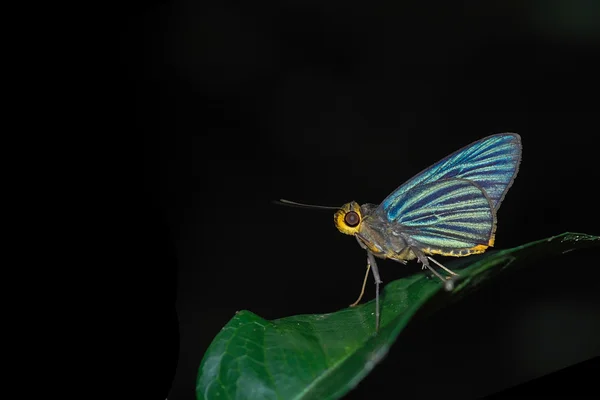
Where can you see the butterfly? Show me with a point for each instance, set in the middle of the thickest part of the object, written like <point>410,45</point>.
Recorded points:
<point>448,209</point>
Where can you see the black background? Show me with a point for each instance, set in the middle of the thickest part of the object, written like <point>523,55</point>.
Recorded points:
<point>225,107</point>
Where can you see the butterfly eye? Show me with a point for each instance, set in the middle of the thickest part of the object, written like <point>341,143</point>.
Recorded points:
<point>351,219</point>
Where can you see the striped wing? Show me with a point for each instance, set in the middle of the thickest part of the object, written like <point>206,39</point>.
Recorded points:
<point>492,163</point>
<point>446,216</point>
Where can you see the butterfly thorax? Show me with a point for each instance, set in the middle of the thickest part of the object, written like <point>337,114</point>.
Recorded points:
<point>373,231</point>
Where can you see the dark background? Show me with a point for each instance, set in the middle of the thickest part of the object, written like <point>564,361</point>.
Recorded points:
<point>229,106</point>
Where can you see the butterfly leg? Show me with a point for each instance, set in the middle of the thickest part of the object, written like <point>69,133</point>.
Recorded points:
<point>371,261</point>
<point>448,282</point>
<point>362,291</point>
<point>444,268</point>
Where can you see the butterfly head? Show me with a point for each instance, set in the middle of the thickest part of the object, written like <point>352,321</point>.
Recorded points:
<point>348,218</point>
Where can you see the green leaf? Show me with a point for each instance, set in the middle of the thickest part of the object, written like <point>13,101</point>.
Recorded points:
<point>324,356</point>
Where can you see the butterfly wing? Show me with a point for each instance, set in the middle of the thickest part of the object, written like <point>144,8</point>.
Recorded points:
<point>491,163</point>
<point>448,217</point>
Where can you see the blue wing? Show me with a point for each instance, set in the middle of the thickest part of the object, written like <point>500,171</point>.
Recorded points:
<point>491,163</point>
<point>450,217</point>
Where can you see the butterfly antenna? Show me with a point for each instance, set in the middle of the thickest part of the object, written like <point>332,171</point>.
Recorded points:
<point>302,205</point>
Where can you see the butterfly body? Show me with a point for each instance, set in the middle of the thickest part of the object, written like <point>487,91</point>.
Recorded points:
<point>448,209</point>
<point>376,233</point>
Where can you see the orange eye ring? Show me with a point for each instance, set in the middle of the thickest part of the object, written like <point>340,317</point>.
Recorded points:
<point>348,219</point>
